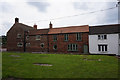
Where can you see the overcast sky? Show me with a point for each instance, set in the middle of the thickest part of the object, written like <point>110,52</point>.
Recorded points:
<point>60,12</point>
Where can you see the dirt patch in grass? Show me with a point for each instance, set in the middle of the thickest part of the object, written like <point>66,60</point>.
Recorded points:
<point>15,55</point>
<point>91,59</point>
<point>42,64</point>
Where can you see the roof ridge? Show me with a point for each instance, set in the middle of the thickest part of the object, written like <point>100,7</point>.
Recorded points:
<point>69,27</point>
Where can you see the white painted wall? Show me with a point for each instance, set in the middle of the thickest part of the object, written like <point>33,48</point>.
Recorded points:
<point>112,42</point>
<point>118,45</point>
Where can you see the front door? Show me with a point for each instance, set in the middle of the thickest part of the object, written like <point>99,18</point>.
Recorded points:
<point>85,49</point>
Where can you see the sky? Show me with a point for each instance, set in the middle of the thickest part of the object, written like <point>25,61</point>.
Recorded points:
<point>62,13</point>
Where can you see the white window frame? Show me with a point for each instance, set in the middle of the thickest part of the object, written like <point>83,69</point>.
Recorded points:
<point>66,37</point>
<point>19,35</point>
<point>20,44</point>
<point>38,37</point>
<point>78,36</point>
<point>102,37</point>
<point>54,37</point>
<point>27,44</point>
<point>72,47</point>
<point>27,37</point>
<point>41,45</point>
<point>102,47</point>
<point>54,46</point>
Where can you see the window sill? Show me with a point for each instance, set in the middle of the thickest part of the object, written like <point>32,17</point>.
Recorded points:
<point>78,40</point>
<point>66,40</point>
<point>102,39</point>
<point>73,50</point>
<point>103,51</point>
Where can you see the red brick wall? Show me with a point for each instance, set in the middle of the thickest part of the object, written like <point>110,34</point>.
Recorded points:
<point>35,44</point>
<point>62,45</point>
<point>12,39</point>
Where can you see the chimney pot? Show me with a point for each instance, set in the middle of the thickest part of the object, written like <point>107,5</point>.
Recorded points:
<point>50,25</point>
<point>35,26</point>
<point>16,20</point>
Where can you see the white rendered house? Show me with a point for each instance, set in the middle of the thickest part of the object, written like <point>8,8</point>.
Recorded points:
<point>104,39</point>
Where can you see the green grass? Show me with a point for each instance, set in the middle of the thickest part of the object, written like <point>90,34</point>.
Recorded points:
<point>64,66</point>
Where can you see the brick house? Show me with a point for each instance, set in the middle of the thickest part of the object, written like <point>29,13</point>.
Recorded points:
<point>37,41</point>
<point>72,39</point>
<point>15,36</point>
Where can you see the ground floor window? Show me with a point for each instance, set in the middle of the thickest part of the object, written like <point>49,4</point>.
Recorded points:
<point>42,45</point>
<point>102,48</point>
<point>72,47</point>
<point>55,47</point>
<point>27,44</point>
<point>20,44</point>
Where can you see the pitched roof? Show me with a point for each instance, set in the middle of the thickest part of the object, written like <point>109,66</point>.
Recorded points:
<point>71,29</point>
<point>38,31</point>
<point>23,26</point>
<point>105,29</point>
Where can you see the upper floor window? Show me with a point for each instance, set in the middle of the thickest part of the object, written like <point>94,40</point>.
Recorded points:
<point>54,37</point>
<point>38,37</point>
<point>27,44</point>
<point>102,37</point>
<point>102,48</point>
<point>27,37</point>
<point>20,44</point>
<point>72,47</point>
<point>78,36</point>
<point>66,37</point>
<point>19,35</point>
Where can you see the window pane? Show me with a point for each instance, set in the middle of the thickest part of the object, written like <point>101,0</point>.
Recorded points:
<point>74,47</point>
<point>105,36</point>
<point>66,37</point>
<point>55,37</point>
<point>55,47</point>
<point>78,36</point>
<point>99,49</point>
<point>105,47</point>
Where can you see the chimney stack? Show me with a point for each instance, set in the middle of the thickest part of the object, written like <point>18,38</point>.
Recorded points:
<point>50,25</point>
<point>16,20</point>
<point>35,26</point>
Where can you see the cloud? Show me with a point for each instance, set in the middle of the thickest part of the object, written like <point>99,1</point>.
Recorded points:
<point>79,5</point>
<point>4,27</point>
<point>6,7</point>
<point>110,16</point>
<point>41,6</point>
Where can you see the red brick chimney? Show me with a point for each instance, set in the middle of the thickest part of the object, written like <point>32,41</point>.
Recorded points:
<point>50,25</point>
<point>16,20</point>
<point>35,26</point>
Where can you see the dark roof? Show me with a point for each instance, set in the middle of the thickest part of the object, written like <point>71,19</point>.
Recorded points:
<point>105,29</point>
<point>38,31</point>
<point>23,26</point>
<point>72,29</point>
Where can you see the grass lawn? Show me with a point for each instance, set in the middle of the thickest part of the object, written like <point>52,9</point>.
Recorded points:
<point>64,66</point>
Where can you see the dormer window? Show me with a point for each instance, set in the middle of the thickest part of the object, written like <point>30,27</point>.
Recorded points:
<point>19,35</point>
